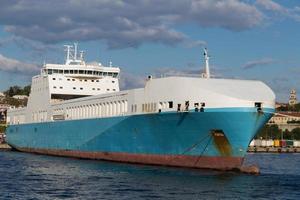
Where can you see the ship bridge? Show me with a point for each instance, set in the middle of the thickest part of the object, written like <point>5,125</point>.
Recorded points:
<point>75,78</point>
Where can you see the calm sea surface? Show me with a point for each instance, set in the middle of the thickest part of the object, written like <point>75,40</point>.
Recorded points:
<point>28,176</point>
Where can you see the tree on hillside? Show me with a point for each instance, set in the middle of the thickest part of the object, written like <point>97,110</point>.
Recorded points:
<point>295,108</point>
<point>17,90</point>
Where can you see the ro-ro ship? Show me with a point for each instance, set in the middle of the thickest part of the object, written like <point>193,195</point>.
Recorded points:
<point>76,109</point>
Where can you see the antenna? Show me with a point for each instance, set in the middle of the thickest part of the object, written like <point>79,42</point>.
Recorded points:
<point>68,47</point>
<point>75,50</point>
<point>206,58</point>
<point>110,64</point>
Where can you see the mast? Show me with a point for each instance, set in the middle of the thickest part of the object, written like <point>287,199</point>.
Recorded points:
<point>206,58</point>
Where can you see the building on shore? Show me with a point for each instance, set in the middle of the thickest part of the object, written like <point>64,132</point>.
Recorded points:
<point>293,97</point>
<point>286,120</point>
<point>20,97</point>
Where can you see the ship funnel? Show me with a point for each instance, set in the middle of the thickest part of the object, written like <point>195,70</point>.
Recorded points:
<point>206,58</point>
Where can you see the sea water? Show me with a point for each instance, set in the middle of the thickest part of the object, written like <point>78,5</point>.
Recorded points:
<point>30,176</point>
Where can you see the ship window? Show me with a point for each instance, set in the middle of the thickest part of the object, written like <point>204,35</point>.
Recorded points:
<point>75,71</point>
<point>81,88</point>
<point>89,72</point>
<point>98,88</point>
<point>93,88</point>
<point>113,81</point>
<point>85,80</point>
<point>73,79</point>
<point>80,71</point>
<point>109,73</point>
<point>104,73</point>
<point>61,71</point>
<point>71,72</point>
<point>114,89</point>
<point>107,89</point>
<point>67,72</point>
<point>100,73</point>
<point>54,79</point>
<point>74,88</point>
<point>170,104</point>
<point>54,87</point>
<point>115,75</point>
<point>68,79</point>
<point>55,71</point>
<point>60,87</point>
<point>92,80</point>
<point>97,80</point>
<point>49,71</point>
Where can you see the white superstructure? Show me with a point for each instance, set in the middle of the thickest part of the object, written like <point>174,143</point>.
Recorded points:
<point>77,90</point>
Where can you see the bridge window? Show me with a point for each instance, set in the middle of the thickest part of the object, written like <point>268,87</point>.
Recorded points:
<point>115,75</point>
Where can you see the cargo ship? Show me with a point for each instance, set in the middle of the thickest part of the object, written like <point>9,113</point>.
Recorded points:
<point>76,109</point>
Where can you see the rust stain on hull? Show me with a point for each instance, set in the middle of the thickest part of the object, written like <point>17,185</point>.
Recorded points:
<point>221,142</point>
<point>219,163</point>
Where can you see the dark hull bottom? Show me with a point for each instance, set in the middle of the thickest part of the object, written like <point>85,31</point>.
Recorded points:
<point>205,162</point>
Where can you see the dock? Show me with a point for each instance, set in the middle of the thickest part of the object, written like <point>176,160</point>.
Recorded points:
<point>274,149</point>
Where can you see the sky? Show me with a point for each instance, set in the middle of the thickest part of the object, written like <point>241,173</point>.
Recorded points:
<point>246,39</point>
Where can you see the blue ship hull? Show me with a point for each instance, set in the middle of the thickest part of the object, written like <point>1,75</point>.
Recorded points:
<point>216,138</point>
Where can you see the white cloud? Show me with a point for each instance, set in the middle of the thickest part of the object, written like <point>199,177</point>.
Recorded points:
<point>278,9</point>
<point>271,5</point>
<point>131,81</point>
<point>122,23</point>
<point>15,66</point>
<point>258,63</point>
